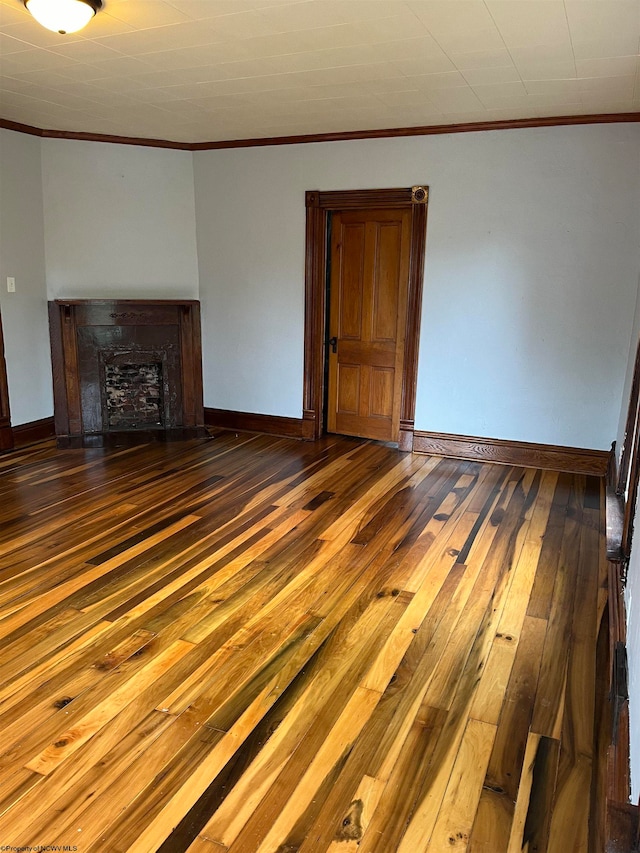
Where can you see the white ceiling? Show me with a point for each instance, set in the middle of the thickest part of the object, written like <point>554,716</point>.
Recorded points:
<point>208,70</point>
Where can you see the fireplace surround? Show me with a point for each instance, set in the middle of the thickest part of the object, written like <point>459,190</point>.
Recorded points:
<point>125,368</point>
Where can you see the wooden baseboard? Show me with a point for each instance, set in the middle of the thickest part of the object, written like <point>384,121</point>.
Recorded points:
<point>252,422</point>
<point>528,455</point>
<point>33,431</point>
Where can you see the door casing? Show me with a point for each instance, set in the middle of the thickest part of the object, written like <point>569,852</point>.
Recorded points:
<point>6,433</point>
<point>319,206</point>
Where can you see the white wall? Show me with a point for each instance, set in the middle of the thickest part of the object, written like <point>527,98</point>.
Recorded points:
<point>530,282</point>
<point>119,221</point>
<point>24,313</point>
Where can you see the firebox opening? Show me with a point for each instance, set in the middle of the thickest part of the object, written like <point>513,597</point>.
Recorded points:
<point>134,396</point>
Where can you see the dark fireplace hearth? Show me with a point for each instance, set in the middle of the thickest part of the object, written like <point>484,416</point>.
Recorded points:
<point>125,366</point>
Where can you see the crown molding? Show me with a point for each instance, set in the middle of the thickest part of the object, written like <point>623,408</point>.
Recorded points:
<point>426,130</point>
<point>342,136</point>
<point>45,133</point>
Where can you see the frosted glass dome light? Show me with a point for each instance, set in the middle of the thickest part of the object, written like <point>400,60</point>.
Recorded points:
<point>63,16</point>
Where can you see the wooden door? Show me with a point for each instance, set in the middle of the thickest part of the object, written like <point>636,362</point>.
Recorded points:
<point>6,434</point>
<point>369,275</point>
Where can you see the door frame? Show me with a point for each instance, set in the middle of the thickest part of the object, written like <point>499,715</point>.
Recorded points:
<point>319,207</point>
<point>6,433</point>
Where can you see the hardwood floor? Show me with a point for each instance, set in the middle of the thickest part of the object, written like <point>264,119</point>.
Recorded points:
<point>253,645</point>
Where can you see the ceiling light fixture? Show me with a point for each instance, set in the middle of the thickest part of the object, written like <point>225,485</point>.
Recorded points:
<point>63,16</point>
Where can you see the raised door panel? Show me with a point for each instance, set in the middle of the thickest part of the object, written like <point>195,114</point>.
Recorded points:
<point>348,389</point>
<point>385,283</point>
<point>352,258</point>
<point>381,392</point>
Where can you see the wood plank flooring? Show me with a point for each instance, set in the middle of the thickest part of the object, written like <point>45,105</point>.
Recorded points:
<point>258,645</point>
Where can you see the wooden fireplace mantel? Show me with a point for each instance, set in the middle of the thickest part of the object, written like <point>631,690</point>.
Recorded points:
<point>82,330</point>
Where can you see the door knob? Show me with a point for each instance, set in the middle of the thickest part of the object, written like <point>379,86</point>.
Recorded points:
<point>333,343</point>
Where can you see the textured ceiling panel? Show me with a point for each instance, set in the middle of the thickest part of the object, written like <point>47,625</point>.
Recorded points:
<point>210,70</point>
